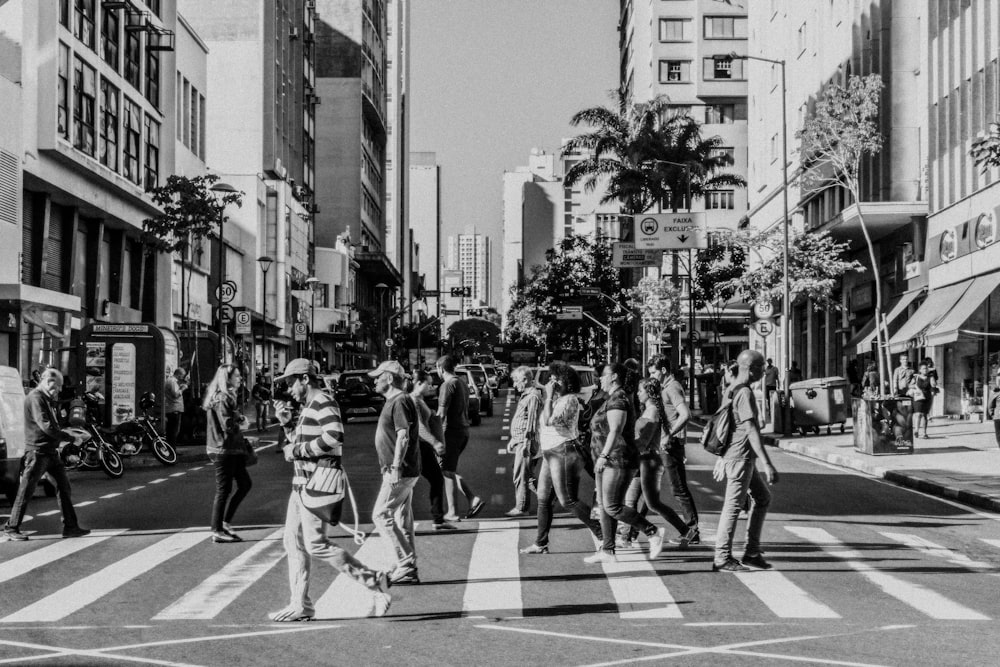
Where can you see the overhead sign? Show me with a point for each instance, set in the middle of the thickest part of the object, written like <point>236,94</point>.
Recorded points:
<point>671,231</point>
<point>446,312</point>
<point>572,309</point>
<point>590,291</point>
<point>430,292</point>
<point>625,256</point>
<point>243,322</point>
<point>299,331</point>
<point>571,315</point>
<point>764,328</point>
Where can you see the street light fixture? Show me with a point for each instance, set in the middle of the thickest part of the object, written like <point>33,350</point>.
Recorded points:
<point>786,306</point>
<point>265,263</point>
<point>221,190</point>
<point>312,281</point>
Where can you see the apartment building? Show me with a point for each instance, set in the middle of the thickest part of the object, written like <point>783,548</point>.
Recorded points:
<point>471,253</point>
<point>424,217</point>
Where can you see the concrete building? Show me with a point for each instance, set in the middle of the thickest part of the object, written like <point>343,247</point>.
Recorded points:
<point>471,253</point>
<point>424,206</point>
<point>261,139</point>
<point>829,42</point>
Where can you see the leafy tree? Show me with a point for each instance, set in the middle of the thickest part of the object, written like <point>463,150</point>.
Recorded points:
<point>717,269</point>
<point>474,333</point>
<point>841,133</point>
<point>191,212</point>
<point>658,302</point>
<point>986,150</point>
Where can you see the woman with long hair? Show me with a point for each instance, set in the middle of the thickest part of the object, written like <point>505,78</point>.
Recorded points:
<point>648,427</point>
<point>562,463</point>
<point>226,448</point>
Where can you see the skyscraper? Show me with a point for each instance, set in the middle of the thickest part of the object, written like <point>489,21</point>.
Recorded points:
<point>470,254</point>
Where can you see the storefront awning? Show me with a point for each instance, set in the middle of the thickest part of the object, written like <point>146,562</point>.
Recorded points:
<point>939,302</point>
<point>863,340</point>
<point>946,331</point>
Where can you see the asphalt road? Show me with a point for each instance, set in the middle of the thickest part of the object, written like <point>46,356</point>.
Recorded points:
<point>865,574</point>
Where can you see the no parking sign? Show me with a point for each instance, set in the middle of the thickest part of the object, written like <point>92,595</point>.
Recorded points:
<point>243,322</point>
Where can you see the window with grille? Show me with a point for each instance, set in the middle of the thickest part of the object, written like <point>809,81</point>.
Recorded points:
<point>84,103</point>
<point>722,68</point>
<point>720,199</point>
<point>675,71</point>
<point>108,150</point>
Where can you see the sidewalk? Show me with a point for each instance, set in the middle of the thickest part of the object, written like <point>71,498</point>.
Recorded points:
<point>960,460</point>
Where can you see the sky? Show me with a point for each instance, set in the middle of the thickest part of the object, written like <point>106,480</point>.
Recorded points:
<point>492,79</point>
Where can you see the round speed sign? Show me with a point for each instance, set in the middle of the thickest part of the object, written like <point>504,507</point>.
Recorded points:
<point>763,310</point>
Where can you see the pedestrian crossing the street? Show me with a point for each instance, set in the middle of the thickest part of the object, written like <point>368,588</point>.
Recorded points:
<point>480,573</point>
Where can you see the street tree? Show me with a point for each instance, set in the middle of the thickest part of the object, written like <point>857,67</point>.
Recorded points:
<point>986,150</point>
<point>717,269</point>
<point>658,302</point>
<point>836,140</point>
<point>191,212</point>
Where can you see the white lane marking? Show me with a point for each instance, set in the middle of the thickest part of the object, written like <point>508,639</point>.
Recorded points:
<point>178,474</point>
<point>136,488</point>
<point>196,468</point>
<point>502,451</point>
<point>929,548</point>
<point>210,597</point>
<point>505,428</point>
<point>15,567</point>
<point>922,599</point>
<point>639,591</point>
<point>84,503</point>
<point>50,512</point>
<point>992,543</point>
<point>504,437</point>
<point>346,598</point>
<point>157,481</point>
<point>494,574</point>
<point>501,470</point>
<point>110,495</point>
<point>88,590</point>
<point>783,597</point>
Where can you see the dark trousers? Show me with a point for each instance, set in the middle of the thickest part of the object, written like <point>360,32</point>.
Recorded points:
<point>996,429</point>
<point>261,415</point>
<point>431,471</point>
<point>673,458</point>
<point>613,482</point>
<point>227,470</point>
<point>36,464</point>
<point>559,478</point>
<point>173,428</point>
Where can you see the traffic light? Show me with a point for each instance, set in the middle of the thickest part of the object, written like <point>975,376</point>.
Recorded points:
<point>461,291</point>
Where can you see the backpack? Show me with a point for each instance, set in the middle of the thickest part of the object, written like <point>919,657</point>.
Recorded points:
<point>718,431</point>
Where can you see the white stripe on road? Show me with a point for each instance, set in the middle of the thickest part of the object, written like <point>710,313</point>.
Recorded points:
<point>110,495</point>
<point>502,451</point>
<point>922,599</point>
<point>783,597</point>
<point>178,474</point>
<point>49,513</point>
<point>346,598</point>
<point>85,503</point>
<point>504,437</point>
<point>639,591</point>
<point>210,597</point>
<point>15,567</point>
<point>992,543</point>
<point>136,488</point>
<point>196,468</point>
<point>501,470</point>
<point>929,548</point>
<point>157,481</point>
<point>494,575</point>
<point>88,590</point>
<point>505,428</point>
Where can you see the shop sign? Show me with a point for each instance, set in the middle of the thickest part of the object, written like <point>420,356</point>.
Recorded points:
<point>861,297</point>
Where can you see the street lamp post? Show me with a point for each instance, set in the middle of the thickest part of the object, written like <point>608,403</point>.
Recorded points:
<point>265,263</point>
<point>222,189</point>
<point>786,306</point>
<point>381,288</point>
<point>312,282</point>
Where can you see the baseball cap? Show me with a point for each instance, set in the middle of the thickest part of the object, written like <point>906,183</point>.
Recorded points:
<point>390,366</point>
<point>298,367</point>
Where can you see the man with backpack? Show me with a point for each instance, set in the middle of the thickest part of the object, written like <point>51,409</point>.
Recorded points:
<point>739,465</point>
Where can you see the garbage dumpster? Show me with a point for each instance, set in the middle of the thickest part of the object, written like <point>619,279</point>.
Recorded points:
<point>819,402</point>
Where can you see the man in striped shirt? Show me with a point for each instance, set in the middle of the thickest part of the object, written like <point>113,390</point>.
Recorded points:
<point>315,441</point>
<point>523,441</point>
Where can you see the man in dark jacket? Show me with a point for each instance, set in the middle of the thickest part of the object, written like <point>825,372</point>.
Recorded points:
<point>42,437</point>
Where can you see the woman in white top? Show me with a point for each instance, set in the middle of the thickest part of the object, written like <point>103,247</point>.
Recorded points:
<point>562,465</point>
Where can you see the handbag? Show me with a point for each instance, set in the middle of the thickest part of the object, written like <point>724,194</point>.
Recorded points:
<point>251,452</point>
<point>916,393</point>
<point>323,495</point>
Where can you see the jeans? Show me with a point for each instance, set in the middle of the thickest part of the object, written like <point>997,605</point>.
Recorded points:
<point>228,469</point>
<point>173,427</point>
<point>393,514</point>
<point>646,487</point>
<point>741,478</point>
<point>673,458</point>
<point>36,464</point>
<point>996,431</point>
<point>261,415</point>
<point>431,471</point>
<point>559,478</point>
<point>612,483</point>
<point>305,537</point>
<point>523,476</point>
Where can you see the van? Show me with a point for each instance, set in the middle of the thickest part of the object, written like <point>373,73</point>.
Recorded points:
<point>11,430</point>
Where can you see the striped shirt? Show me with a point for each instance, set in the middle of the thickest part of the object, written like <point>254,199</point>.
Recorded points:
<point>526,414</point>
<point>319,436</point>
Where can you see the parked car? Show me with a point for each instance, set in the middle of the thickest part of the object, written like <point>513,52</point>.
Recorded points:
<point>492,376</point>
<point>588,379</point>
<point>475,403</point>
<point>355,392</point>
<point>482,383</point>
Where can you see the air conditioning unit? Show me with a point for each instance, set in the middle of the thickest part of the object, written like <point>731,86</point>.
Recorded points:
<point>313,99</point>
<point>293,33</point>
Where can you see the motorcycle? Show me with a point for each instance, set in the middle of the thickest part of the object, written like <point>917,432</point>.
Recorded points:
<point>89,449</point>
<point>130,436</point>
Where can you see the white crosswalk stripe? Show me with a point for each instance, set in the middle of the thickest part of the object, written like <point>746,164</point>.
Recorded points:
<point>20,565</point>
<point>346,598</point>
<point>992,543</point>
<point>639,592</point>
<point>922,599</point>
<point>925,546</point>
<point>783,597</point>
<point>494,569</point>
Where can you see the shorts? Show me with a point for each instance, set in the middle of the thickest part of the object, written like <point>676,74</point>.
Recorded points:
<point>454,445</point>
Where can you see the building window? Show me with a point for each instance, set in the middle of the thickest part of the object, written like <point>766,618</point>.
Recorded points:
<point>110,37</point>
<point>153,77</point>
<point>201,127</point>
<point>132,129</point>
<point>193,124</point>
<point>675,71</point>
<point>720,199</point>
<point>83,22</point>
<point>109,125</point>
<point>725,114</point>
<point>63,92</point>
<point>152,153</point>
<point>84,102</point>
<point>725,27</point>
<point>133,49</point>
<point>678,110</point>
<point>727,153</point>
<point>154,6</point>
<point>722,68</point>
<point>803,36</point>
<point>179,99</point>
<point>986,230</point>
<point>674,30</point>
<point>64,13</point>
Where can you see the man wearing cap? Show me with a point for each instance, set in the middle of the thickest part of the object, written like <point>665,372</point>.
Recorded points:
<point>316,440</point>
<point>398,446</point>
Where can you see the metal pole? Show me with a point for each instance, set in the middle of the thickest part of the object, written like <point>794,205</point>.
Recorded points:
<point>786,305</point>
<point>222,279</point>
<point>312,323</point>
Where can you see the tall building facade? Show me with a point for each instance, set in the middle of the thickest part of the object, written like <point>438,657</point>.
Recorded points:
<point>471,253</point>
<point>424,217</point>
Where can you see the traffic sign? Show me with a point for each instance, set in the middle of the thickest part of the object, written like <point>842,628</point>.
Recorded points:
<point>243,322</point>
<point>571,315</point>
<point>446,312</point>
<point>626,256</point>
<point>226,312</point>
<point>299,331</point>
<point>764,328</point>
<point>694,336</point>
<point>430,292</point>
<point>226,292</point>
<point>572,309</point>
<point>763,310</point>
<point>389,342</point>
<point>590,291</point>
<point>671,231</point>
<point>461,291</point>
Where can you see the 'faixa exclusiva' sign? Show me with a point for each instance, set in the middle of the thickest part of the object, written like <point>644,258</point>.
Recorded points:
<point>671,231</point>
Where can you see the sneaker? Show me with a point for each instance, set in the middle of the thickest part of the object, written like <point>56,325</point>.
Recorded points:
<point>535,549</point>
<point>383,598</point>
<point>656,543</point>
<point>756,562</point>
<point>595,514</point>
<point>601,556</point>
<point>476,507</point>
<point>622,542</point>
<point>75,532</point>
<point>517,513</point>
<point>444,526</point>
<point>291,614</point>
<point>452,517</point>
<point>226,528</point>
<point>687,538</point>
<point>404,575</point>
<point>731,565</point>
<point>14,535</point>
<point>694,535</point>
<point>224,537</point>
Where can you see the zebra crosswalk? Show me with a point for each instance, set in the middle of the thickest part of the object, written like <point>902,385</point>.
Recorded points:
<point>482,573</point>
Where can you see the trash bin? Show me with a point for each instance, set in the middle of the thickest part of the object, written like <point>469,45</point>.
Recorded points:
<point>820,402</point>
<point>883,426</point>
